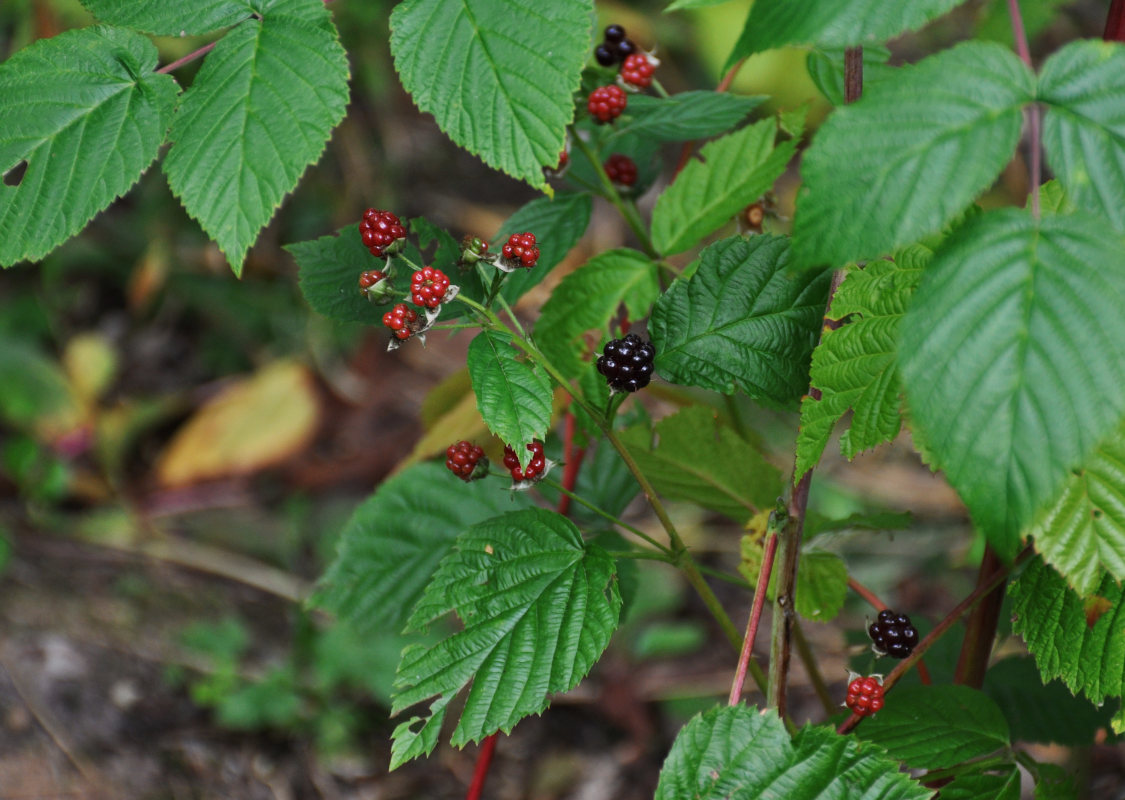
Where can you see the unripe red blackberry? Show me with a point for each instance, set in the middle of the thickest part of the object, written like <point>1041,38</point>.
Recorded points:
<point>520,250</point>
<point>621,169</point>
<point>606,103</point>
<point>865,696</point>
<point>428,287</point>
<point>379,230</point>
<point>627,363</point>
<point>535,467</point>
<point>401,320</point>
<point>466,460</point>
<point>637,70</point>
<point>893,635</point>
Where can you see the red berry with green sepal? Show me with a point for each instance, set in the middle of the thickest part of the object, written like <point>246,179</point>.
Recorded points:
<point>535,467</point>
<point>520,249</point>
<point>606,103</point>
<point>401,320</point>
<point>466,460</point>
<point>865,696</point>
<point>638,70</point>
<point>380,230</point>
<point>428,287</point>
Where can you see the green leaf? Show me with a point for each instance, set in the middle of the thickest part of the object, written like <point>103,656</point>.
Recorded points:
<point>588,297</point>
<point>1048,714</point>
<point>497,77</point>
<point>854,366</point>
<point>328,271</point>
<point>259,112</point>
<point>1052,620</point>
<point>815,524</point>
<point>1012,357</point>
<point>831,23</point>
<point>683,5</point>
<point>914,151</point>
<point>685,115</point>
<point>739,753</point>
<point>735,171</point>
<point>734,479</point>
<point>822,585</point>
<point>933,727</point>
<point>742,321</point>
<point>171,19</point>
<point>87,115</point>
<point>826,68</point>
<point>395,539</point>
<point>34,385</point>
<point>1084,128</point>
<point>417,736</point>
<point>557,223</point>
<point>1082,534</point>
<point>513,396</point>
<point>1054,783</point>
<point>994,22</point>
<point>984,787</point>
<point>538,608</point>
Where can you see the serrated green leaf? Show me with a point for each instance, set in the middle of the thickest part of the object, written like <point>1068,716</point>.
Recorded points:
<point>683,5</point>
<point>685,115</point>
<point>171,19</point>
<point>831,23</point>
<point>588,297</point>
<point>1084,128</point>
<point>328,274</point>
<point>87,115</point>
<point>742,321</point>
<point>739,753</point>
<point>815,524</point>
<point>826,68</point>
<point>735,171</point>
<point>1082,534</point>
<point>1049,713</point>
<point>734,479</point>
<point>513,396</point>
<point>1052,620</point>
<point>854,366</point>
<point>395,539</point>
<point>557,223</point>
<point>538,607</point>
<point>1012,357</point>
<point>933,727</point>
<point>497,77</point>
<point>259,112</point>
<point>984,787</point>
<point>910,154</point>
<point>417,736</point>
<point>822,579</point>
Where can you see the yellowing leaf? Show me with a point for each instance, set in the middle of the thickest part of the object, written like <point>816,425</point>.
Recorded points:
<point>252,424</point>
<point>90,363</point>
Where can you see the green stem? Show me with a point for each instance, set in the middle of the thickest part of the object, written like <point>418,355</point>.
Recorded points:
<point>659,87</point>
<point>504,304</point>
<point>606,515</point>
<point>809,661</point>
<point>631,217</point>
<point>642,555</point>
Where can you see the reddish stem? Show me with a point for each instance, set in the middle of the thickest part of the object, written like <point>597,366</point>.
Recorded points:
<point>1035,168</point>
<point>980,628</point>
<point>192,56</point>
<point>1115,22</point>
<point>755,617</point>
<point>480,771</point>
<point>866,594</point>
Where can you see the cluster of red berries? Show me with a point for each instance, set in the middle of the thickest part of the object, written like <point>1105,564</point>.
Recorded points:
<point>637,70</point>
<point>379,230</point>
<point>621,169</point>
<point>466,460</point>
<point>614,47</point>
<point>893,634</point>
<point>401,320</point>
<point>535,467</point>
<point>370,278</point>
<point>521,248</point>
<point>606,103</point>
<point>865,696</point>
<point>428,287</point>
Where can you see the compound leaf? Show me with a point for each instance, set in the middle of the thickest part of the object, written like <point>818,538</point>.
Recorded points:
<point>558,223</point>
<point>685,115</point>
<point>588,297</point>
<point>85,114</point>
<point>392,544</point>
<point>1012,356</point>
<point>514,397</point>
<point>497,77</point>
<point>933,727</point>
<point>734,479</point>
<point>538,607</point>
<point>854,366</point>
<point>258,113</point>
<point>831,23</point>
<point>735,171</point>
<point>171,19</point>
<point>1084,129</point>
<point>742,321</point>
<point>909,155</point>
<point>1086,651</point>
<point>739,753</point>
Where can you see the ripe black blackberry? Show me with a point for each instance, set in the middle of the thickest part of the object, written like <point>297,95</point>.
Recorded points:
<point>627,363</point>
<point>893,634</point>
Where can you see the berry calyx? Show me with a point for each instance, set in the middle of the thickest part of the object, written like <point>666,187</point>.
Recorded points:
<point>535,467</point>
<point>606,55</point>
<point>614,33</point>
<point>380,230</point>
<point>637,70</point>
<point>428,287</point>
<point>865,696</point>
<point>401,320</point>
<point>893,634</point>
<point>621,169</point>
<point>466,460</point>
<point>627,363</point>
<point>606,103</point>
<point>520,249</point>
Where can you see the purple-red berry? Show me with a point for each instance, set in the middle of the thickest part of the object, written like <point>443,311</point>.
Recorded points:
<point>638,70</point>
<point>400,320</point>
<point>865,697</point>
<point>893,634</point>
<point>466,460</point>
<point>428,287</point>
<point>535,467</point>
<point>627,363</point>
<point>521,250</point>
<point>379,230</point>
<point>621,169</point>
<point>606,103</point>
